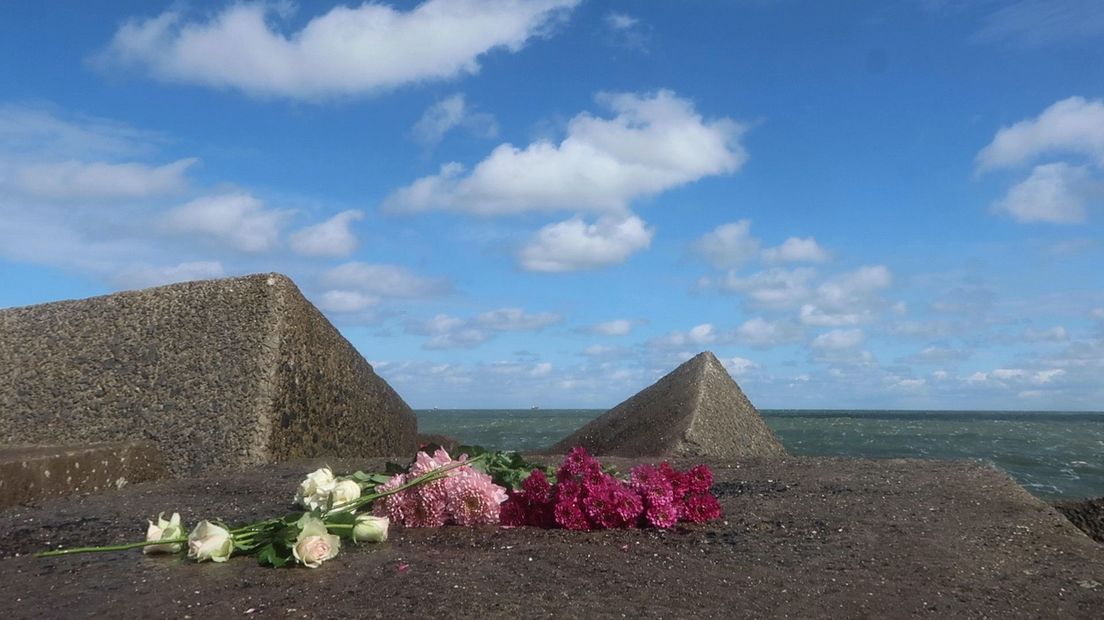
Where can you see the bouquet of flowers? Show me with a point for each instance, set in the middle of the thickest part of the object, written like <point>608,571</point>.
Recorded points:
<point>477,488</point>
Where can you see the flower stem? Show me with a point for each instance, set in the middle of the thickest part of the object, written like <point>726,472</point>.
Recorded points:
<point>122,547</point>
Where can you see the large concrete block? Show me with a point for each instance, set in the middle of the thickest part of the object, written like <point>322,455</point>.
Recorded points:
<point>32,473</point>
<point>695,410</point>
<point>216,373</point>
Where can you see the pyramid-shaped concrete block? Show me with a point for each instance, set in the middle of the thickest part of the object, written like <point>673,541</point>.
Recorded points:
<point>215,373</point>
<point>695,410</point>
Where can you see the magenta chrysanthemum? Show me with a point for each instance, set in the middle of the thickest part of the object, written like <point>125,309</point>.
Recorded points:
<point>584,497</point>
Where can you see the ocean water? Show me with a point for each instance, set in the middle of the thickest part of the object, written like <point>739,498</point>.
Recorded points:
<point>1052,454</point>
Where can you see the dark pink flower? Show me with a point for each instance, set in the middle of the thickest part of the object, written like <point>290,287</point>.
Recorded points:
<point>699,479</point>
<point>701,507</point>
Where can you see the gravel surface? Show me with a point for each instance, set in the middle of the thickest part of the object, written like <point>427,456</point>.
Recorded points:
<point>801,537</point>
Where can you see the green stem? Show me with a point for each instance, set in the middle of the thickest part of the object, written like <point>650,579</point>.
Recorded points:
<point>247,533</point>
<point>122,547</point>
<point>429,476</point>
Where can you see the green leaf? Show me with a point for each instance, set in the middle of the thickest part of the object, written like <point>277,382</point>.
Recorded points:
<point>274,555</point>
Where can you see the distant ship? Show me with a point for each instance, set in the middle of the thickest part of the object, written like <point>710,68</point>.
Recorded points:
<point>534,408</point>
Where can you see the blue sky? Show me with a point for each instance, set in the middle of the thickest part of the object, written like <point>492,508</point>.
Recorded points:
<point>512,202</point>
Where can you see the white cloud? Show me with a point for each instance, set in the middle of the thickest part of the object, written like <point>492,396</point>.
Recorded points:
<point>75,180</point>
<point>702,334</point>
<point>347,51</point>
<point>738,365</point>
<point>460,339</point>
<point>621,21</point>
<point>451,113</point>
<point>574,245</point>
<point>728,245</point>
<point>383,280</point>
<point>616,327</point>
<point>45,135</point>
<point>1052,334</point>
<point>147,275</point>
<point>851,290</point>
<point>759,332</point>
<point>654,143</point>
<point>795,249</point>
<point>1073,125</point>
<point>236,218</point>
<point>627,31</point>
<point>814,316</point>
<point>330,238</point>
<point>1054,193</point>
<point>1039,22</point>
<point>839,339</point>
<point>340,301</point>
<point>910,384</point>
<point>774,288</point>
<point>515,319</point>
<point>937,355</point>
<point>449,332</point>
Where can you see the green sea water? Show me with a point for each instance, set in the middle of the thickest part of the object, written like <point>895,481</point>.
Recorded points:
<point>1052,454</point>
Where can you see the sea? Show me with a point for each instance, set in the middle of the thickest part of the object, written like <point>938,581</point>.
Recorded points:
<point>1052,454</point>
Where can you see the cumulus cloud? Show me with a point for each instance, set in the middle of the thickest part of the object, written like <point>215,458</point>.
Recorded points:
<point>344,302</point>
<point>761,333</point>
<point>383,281</point>
<point>1054,193</point>
<point>773,288</point>
<point>737,366</point>
<point>854,289</point>
<point>698,335</point>
<point>236,218</point>
<point>330,238</point>
<point>728,245</point>
<point>451,113</point>
<point>515,319</point>
<point>574,245</point>
<point>347,51</point>
<point>795,249</point>
<point>148,275</point>
<point>1073,126</point>
<point>449,332</point>
<point>76,180</point>
<point>653,143</point>
<point>814,316</point>
<point>839,339</point>
<point>616,327</point>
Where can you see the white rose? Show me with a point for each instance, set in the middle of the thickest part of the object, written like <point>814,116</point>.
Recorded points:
<point>164,530</point>
<point>315,544</point>
<point>345,492</point>
<point>314,491</point>
<point>210,542</point>
<point>369,528</point>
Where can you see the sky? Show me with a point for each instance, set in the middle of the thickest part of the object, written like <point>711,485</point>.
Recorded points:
<point>505,203</point>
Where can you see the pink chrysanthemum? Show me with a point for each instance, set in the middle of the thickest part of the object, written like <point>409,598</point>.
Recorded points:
<point>473,498</point>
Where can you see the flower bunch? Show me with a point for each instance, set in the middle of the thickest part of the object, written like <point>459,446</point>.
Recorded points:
<point>584,497</point>
<point>465,497</point>
<point>312,537</point>
<point>322,490</point>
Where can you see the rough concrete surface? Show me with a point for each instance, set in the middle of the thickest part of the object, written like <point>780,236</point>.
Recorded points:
<point>695,410</point>
<point>30,473</point>
<point>801,537</point>
<point>216,373</point>
<point>1087,514</point>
